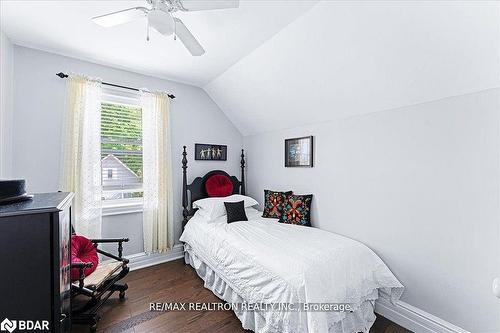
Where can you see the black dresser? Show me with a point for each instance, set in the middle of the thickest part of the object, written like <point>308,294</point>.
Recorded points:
<point>35,256</point>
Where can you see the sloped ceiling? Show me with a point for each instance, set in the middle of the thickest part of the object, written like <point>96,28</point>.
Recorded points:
<point>347,58</point>
<point>66,28</point>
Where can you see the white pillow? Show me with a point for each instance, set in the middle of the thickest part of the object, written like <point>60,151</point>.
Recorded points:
<point>212,208</point>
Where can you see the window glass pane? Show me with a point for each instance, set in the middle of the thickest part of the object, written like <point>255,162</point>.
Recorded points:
<point>121,151</point>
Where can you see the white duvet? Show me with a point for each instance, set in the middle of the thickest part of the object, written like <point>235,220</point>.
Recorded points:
<point>264,261</point>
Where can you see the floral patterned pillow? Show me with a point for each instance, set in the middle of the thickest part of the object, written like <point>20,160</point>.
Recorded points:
<point>273,203</point>
<point>297,210</point>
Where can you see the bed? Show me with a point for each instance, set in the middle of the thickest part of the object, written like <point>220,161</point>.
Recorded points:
<point>280,277</point>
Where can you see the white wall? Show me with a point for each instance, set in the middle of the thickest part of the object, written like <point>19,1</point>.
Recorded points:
<point>124,225</point>
<point>6,94</point>
<point>39,97</point>
<point>419,185</point>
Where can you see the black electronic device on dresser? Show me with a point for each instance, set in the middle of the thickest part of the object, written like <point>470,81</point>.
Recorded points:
<point>35,257</point>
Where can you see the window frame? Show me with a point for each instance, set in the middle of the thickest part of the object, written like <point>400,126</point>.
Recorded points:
<point>128,205</point>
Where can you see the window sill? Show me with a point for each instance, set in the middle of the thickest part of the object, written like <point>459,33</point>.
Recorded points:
<point>119,207</point>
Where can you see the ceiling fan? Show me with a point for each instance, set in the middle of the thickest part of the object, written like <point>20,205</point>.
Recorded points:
<point>160,18</point>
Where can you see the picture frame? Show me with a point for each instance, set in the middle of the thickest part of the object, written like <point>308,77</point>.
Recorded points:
<point>210,152</point>
<point>299,152</point>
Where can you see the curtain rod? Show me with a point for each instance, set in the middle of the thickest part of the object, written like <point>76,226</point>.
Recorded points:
<point>63,76</point>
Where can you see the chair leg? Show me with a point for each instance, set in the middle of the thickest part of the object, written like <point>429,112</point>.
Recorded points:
<point>121,287</point>
<point>87,314</point>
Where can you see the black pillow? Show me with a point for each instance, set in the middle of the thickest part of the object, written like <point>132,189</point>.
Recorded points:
<point>235,211</point>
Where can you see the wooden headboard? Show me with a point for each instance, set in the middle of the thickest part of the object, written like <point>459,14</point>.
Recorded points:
<point>197,188</point>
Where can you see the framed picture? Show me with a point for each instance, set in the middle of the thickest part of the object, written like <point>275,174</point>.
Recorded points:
<point>209,152</point>
<point>299,152</point>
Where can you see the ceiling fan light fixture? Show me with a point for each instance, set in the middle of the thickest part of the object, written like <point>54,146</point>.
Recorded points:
<point>161,22</point>
<point>159,16</point>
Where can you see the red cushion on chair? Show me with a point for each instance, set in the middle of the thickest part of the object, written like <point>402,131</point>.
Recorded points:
<point>83,250</point>
<point>219,186</point>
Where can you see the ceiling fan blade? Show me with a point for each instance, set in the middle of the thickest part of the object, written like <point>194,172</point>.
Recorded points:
<point>161,21</point>
<point>120,17</point>
<point>187,38</point>
<point>192,5</point>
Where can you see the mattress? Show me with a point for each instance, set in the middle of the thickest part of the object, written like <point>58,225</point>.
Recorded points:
<point>261,261</point>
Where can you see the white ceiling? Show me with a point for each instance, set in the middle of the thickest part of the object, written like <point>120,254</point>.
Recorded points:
<point>346,58</point>
<point>280,64</point>
<point>65,27</point>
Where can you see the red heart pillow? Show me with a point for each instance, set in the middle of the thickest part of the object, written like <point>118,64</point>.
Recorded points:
<point>219,186</point>
<point>83,250</point>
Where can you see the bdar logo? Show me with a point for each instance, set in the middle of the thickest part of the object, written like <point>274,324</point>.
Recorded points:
<point>8,325</point>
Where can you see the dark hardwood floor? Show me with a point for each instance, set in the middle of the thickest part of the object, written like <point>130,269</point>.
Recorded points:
<point>176,282</point>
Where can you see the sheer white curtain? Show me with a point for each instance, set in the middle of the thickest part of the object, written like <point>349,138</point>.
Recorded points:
<point>81,153</point>
<point>157,190</point>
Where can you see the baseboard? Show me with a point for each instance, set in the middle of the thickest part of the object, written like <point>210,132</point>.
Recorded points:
<point>414,319</point>
<point>142,260</point>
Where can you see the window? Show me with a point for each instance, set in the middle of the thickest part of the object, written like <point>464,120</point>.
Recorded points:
<point>112,173</point>
<point>121,150</point>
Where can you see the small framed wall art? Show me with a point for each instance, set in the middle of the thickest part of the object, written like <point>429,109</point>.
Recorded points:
<point>209,152</point>
<point>299,152</point>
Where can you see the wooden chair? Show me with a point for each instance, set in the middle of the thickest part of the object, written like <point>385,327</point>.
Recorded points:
<point>94,290</point>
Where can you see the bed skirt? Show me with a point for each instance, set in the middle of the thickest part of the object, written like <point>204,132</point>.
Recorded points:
<point>359,320</point>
